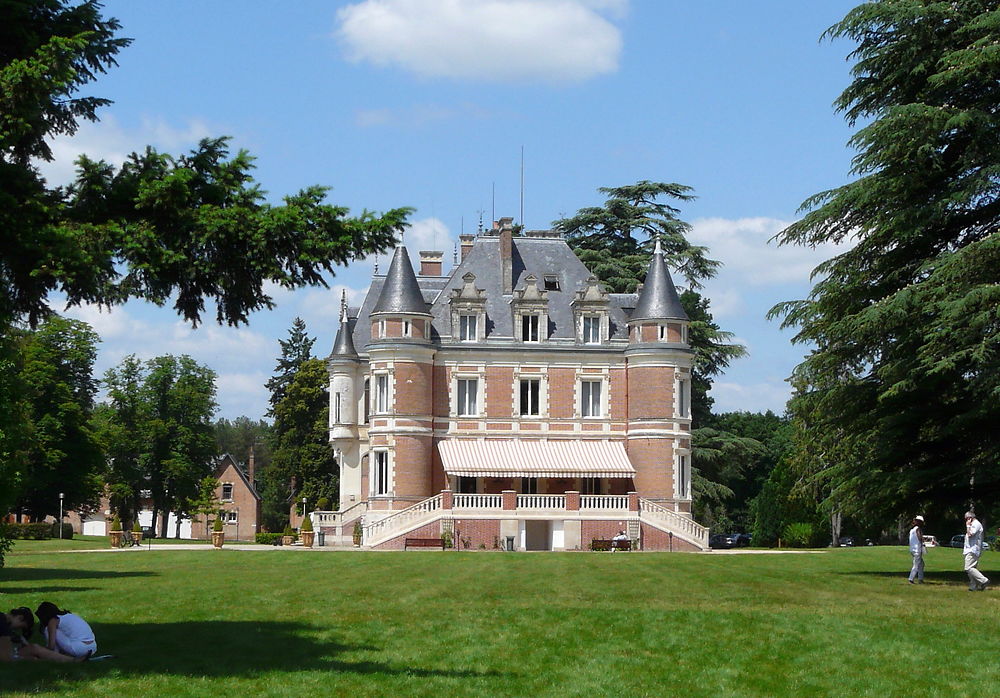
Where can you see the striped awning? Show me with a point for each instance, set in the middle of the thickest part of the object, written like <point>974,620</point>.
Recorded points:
<point>535,458</point>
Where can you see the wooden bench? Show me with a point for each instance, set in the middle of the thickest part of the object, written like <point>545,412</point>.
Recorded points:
<point>610,545</point>
<point>423,543</point>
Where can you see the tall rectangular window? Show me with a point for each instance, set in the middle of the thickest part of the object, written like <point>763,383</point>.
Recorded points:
<point>380,476</point>
<point>591,485</point>
<point>530,397</point>
<point>368,399</point>
<point>467,328</point>
<point>529,485</point>
<point>467,389</point>
<point>406,328</point>
<point>336,407</point>
<point>591,330</point>
<point>529,328</point>
<point>381,393</point>
<point>227,492</point>
<point>682,399</point>
<point>682,477</point>
<point>466,485</point>
<point>590,398</point>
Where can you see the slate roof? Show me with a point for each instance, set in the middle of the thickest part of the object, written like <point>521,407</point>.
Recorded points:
<point>658,299</point>
<point>543,255</point>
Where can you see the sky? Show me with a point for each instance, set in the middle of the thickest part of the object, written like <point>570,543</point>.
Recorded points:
<point>430,103</point>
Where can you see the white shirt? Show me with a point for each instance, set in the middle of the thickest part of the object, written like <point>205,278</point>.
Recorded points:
<point>974,539</point>
<point>916,541</point>
<point>72,627</point>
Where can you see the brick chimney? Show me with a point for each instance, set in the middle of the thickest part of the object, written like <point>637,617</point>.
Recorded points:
<point>431,263</point>
<point>506,252</point>
<point>251,468</point>
<point>466,240</point>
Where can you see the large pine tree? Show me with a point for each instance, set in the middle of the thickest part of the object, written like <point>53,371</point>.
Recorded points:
<point>898,404</point>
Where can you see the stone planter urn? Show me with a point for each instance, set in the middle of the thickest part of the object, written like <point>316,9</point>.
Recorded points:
<point>217,538</point>
<point>307,538</point>
<point>287,540</point>
<point>116,539</point>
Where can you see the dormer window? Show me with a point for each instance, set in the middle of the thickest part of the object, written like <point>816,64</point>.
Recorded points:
<point>591,329</point>
<point>467,326</point>
<point>551,283</point>
<point>529,328</point>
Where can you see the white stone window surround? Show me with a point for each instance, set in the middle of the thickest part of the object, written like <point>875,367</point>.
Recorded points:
<point>593,328</point>
<point>603,401</point>
<point>682,395</point>
<point>480,377</point>
<point>468,326</point>
<point>382,391</point>
<point>543,393</point>
<point>380,475</point>
<point>682,473</point>
<point>227,492</point>
<point>407,328</point>
<point>542,327</point>
<point>232,517</point>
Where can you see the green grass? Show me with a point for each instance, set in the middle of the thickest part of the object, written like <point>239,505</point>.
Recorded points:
<point>300,623</point>
<point>78,542</point>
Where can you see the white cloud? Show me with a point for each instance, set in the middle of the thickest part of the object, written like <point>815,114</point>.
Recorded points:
<point>743,245</point>
<point>755,397</point>
<point>427,234</point>
<point>494,40</point>
<point>110,141</point>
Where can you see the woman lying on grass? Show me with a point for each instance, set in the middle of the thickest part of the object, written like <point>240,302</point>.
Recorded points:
<point>14,628</point>
<point>66,632</point>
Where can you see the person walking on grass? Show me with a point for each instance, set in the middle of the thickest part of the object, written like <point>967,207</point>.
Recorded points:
<point>15,628</point>
<point>917,550</point>
<point>972,550</point>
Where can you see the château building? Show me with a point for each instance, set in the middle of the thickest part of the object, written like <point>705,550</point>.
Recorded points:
<point>512,403</point>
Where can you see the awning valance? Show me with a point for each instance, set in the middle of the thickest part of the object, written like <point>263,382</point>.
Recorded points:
<point>535,458</point>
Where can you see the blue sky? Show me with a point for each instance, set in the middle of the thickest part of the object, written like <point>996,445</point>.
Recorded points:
<point>427,103</point>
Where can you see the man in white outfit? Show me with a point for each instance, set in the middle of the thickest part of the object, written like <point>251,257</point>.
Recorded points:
<point>973,549</point>
<point>917,550</point>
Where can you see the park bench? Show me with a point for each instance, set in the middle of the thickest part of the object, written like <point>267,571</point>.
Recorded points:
<point>423,543</point>
<point>610,545</point>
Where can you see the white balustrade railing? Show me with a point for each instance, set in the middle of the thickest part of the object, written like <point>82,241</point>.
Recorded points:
<point>677,522</point>
<point>477,501</point>
<point>541,501</point>
<point>604,502</point>
<point>383,528</point>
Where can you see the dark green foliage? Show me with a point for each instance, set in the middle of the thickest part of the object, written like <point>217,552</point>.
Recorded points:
<point>615,240</point>
<point>897,406</point>
<point>67,531</point>
<point>267,538</point>
<point>123,426</point>
<point>116,523</point>
<point>31,531</point>
<point>217,525</point>
<point>296,349</point>
<point>307,525</point>
<point>797,535</point>
<point>60,452</point>
<point>236,437</point>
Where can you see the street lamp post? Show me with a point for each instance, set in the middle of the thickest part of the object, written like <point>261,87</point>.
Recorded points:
<point>61,495</point>
<point>303,509</point>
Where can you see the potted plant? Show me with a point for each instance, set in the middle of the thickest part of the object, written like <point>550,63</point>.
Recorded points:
<point>116,532</point>
<point>136,532</point>
<point>218,532</point>
<point>288,535</point>
<point>306,532</point>
<point>357,533</point>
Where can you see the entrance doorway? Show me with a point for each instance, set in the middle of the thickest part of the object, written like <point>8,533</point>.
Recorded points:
<point>537,535</point>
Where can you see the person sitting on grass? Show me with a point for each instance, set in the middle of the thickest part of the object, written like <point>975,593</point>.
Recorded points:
<point>15,628</point>
<point>66,632</point>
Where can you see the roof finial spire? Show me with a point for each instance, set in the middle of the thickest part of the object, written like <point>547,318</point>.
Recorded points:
<point>454,255</point>
<point>657,248</point>
<point>343,306</point>
<point>376,265</point>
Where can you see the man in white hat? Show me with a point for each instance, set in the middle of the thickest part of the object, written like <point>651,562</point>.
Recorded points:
<point>917,550</point>
<point>972,550</point>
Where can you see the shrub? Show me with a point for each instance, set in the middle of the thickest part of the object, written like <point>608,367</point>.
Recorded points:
<point>5,541</point>
<point>67,531</point>
<point>446,538</point>
<point>217,526</point>
<point>116,523</point>
<point>288,531</point>
<point>797,535</point>
<point>30,531</point>
<point>307,525</point>
<point>136,528</point>
<point>267,538</point>
<point>323,504</point>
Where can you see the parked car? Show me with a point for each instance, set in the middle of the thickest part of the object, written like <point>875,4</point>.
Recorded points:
<point>724,540</point>
<point>846,542</point>
<point>959,542</point>
<point>744,540</point>
<point>931,542</point>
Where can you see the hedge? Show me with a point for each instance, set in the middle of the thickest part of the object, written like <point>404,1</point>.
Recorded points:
<point>67,531</point>
<point>31,531</point>
<point>267,538</point>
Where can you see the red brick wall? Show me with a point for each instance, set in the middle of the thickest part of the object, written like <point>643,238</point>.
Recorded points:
<point>478,532</point>
<point>655,539</point>
<point>602,530</point>
<point>431,530</point>
<point>499,391</point>
<point>650,392</point>
<point>562,385</point>
<point>412,465</point>
<point>441,391</point>
<point>618,392</point>
<point>653,461</point>
<point>413,388</point>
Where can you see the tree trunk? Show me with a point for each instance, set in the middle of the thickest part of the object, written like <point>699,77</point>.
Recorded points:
<point>152,521</point>
<point>163,522</point>
<point>835,518</point>
<point>177,528</point>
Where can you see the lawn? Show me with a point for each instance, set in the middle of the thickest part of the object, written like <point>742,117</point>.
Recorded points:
<point>298,623</point>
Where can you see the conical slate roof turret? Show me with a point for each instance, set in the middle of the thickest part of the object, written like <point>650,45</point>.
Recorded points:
<point>343,346</point>
<point>658,299</point>
<point>400,292</point>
